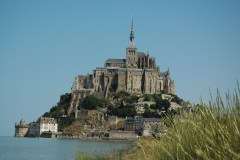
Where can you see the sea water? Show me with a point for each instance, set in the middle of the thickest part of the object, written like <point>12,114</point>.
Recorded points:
<point>53,149</point>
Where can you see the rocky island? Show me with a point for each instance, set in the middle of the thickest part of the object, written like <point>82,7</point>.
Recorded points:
<point>124,99</point>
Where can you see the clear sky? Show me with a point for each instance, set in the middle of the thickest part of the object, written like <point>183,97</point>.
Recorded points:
<point>45,44</point>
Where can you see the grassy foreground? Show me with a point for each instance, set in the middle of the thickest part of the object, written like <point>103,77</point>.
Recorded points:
<point>207,132</point>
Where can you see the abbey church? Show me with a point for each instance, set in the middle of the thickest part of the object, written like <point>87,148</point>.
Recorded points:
<point>138,73</point>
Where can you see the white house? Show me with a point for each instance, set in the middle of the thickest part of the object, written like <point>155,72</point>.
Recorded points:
<point>47,125</point>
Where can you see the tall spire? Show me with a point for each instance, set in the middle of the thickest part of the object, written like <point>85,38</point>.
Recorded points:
<point>168,71</point>
<point>132,43</point>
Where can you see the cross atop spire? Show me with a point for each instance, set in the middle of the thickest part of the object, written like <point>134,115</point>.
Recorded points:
<point>132,43</point>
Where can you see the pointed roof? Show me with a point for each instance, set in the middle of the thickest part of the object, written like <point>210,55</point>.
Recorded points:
<point>168,71</point>
<point>132,43</point>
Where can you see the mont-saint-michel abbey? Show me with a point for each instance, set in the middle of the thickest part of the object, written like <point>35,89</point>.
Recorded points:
<point>137,73</point>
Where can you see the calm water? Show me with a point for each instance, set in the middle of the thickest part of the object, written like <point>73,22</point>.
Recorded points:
<point>52,149</point>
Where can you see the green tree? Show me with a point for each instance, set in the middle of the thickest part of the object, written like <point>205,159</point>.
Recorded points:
<point>122,111</point>
<point>91,102</point>
<point>166,104</point>
<point>61,108</point>
<point>162,104</point>
<point>177,99</point>
<point>149,114</point>
<point>156,96</point>
<point>148,97</point>
<point>159,102</point>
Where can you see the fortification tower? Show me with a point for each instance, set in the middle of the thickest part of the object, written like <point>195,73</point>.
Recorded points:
<point>21,129</point>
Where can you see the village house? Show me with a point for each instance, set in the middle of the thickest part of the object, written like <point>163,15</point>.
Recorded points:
<point>134,124</point>
<point>142,126</point>
<point>44,127</point>
<point>140,108</point>
<point>151,125</point>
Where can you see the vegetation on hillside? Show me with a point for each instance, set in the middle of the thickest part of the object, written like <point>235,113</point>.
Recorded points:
<point>122,110</point>
<point>126,97</point>
<point>206,132</point>
<point>60,112</point>
<point>61,108</point>
<point>153,111</point>
<point>176,99</point>
<point>91,102</point>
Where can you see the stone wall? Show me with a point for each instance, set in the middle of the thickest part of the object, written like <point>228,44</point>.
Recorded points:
<point>121,135</point>
<point>135,80</point>
<point>121,86</point>
<point>20,131</point>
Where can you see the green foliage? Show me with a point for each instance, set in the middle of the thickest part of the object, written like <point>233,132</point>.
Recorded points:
<point>91,102</point>
<point>162,104</point>
<point>61,108</point>
<point>65,121</point>
<point>177,99</point>
<point>148,97</point>
<point>158,104</point>
<point>122,111</point>
<point>92,156</point>
<point>149,114</point>
<point>166,104</point>
<point>125,96</point>
<point>101,156</point>
<point>153,106</point>
<point>121,95</point>
<point>132,98</point>
<point>157,96</point>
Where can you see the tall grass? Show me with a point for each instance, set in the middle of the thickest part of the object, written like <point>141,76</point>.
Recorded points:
<point>208,132</point>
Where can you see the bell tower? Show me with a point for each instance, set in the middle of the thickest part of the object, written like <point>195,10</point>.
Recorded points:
<point>131,51</point>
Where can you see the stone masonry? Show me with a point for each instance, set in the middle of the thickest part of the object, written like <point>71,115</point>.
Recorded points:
<point>138,73</point>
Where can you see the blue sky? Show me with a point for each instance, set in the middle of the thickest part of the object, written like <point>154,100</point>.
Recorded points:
<point>45,44</point>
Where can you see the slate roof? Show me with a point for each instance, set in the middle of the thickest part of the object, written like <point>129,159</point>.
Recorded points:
<point>141,54</point>
<point>116,61</point>
<point>152,119</point>
<point>163,73</point>
<point>134,70</point>
<point>135,119</point>
<point>46,120</point>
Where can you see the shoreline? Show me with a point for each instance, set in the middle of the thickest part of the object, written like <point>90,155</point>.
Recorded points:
<point>83,139</point>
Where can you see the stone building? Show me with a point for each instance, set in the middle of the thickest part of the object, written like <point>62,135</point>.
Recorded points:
<point>137,73</point>
<point>140,108</point>
<point>43,126</point>
<point>47,125</point>
<point>134,124</point>
<point>151,125</point>
<point>21,129</point>
<point>142,126</point>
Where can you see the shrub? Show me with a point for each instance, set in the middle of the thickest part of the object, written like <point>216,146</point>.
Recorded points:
<point>147,97</point>
<point>177,100</point>
<point>122,111</point>
<point>91,102</point>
